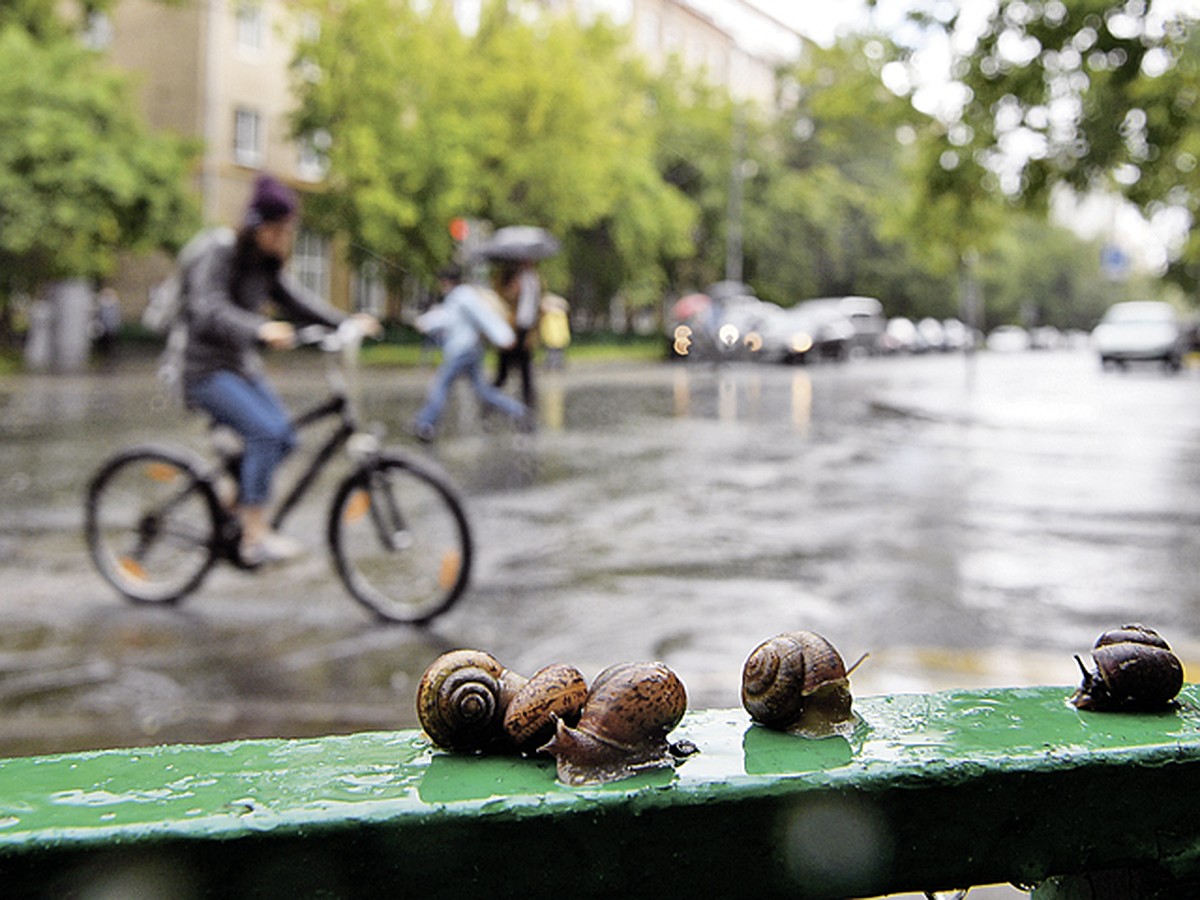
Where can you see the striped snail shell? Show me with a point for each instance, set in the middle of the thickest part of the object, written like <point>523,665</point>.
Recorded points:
<point>1136,671</point>
<point>797,682</point>
<point>556,692</point>
<point>462,697</point>
<point>630,710</point>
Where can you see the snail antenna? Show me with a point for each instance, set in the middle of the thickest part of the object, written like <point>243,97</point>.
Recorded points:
<point>858,663</point>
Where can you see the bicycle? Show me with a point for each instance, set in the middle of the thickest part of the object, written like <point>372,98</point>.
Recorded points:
<point>156,522</point>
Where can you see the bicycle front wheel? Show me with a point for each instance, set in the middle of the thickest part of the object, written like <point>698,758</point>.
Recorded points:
<point>400,540</point>
<point>151,524</point>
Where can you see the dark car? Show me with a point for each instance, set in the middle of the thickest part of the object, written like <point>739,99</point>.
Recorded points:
<point>806,332</point>
<point>827,328</point>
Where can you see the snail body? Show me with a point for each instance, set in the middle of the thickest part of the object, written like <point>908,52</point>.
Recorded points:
<point>1136,671</point>
<point>462,697</point>
<point>554,693</point>
<point>797,682</point>
<point>630,710</point>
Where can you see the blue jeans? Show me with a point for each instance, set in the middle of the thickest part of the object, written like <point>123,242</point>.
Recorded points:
<point>251,408</point>
<point>452,368</point>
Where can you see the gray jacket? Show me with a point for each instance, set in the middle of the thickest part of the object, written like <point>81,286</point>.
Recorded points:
<point>225,309</point>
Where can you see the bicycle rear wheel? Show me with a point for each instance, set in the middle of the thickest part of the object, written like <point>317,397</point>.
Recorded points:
<point>151,524</point>
<point>400,539</point>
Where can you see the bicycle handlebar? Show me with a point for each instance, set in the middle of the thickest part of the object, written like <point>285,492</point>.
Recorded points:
<point>346,336</point>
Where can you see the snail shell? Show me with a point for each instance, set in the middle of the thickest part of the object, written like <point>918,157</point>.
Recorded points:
<point>797,682</point>
<point>630,710</point>
<point>462,697</point>
<point>556,692</point>
<point>1136,671</point>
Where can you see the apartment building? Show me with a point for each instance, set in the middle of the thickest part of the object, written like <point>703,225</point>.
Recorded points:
<point>663,29</point>
<point>219,71</point>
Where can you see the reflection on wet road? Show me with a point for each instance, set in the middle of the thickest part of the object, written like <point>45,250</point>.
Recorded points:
<point>969,525</point>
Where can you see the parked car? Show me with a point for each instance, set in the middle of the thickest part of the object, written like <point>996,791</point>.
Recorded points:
<point>900,335</point>
<point>1140,330</point>
<point>1008,339</point>
<point>864,315</point>
<point>806,332</point>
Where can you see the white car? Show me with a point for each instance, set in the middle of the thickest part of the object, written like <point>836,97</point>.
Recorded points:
<point>1140,330</point>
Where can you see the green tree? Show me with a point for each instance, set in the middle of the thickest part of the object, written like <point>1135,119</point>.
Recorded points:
<point>1090,94</point>
<point>81,177</point>
<point>832,208</point>
<point>536,122</point>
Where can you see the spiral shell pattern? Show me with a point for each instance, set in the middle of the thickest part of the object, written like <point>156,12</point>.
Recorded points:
<point>783,673</point>
<point>459,700</point>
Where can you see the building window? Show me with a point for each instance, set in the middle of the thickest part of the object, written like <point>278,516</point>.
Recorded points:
<point>370,293</point>
<point>251,29</point>
<point>649,31</point>
<point>313,153</point>
<point>249,138</point>
<point>310,262</point>
<point>310,28</point>
<point>97,31</point>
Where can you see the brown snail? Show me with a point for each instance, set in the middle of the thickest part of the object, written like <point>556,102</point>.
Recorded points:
<point>798,682</point>
<point>554,693</point>
<point>623,729</point>
<point>462,698</point>
<point>1136,671</point>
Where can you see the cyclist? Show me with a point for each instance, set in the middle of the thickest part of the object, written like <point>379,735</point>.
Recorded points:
<point>227,292</point>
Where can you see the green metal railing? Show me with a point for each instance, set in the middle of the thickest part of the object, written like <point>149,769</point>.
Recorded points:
<point>932,791</point>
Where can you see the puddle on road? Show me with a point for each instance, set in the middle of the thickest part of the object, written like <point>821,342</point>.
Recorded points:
<point>665,512</point>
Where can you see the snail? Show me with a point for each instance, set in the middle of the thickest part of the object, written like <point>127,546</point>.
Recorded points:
<point>1136,671</point>
<point>554,693</point>
<point>623,729</point>
<point>797,682</point>
<point>462,698</point>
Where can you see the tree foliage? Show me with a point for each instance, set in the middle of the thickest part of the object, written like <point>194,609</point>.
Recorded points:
<point>532,122</point>
<point>1089,94</point>
<point>81,177</point>
<point>832,212</point>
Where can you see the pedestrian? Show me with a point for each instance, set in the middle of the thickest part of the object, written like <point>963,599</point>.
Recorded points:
<point>465,320</point>
<point>520,287</point>
<point>227,293</point>
<point>106,322</point>
<point>555,329</point>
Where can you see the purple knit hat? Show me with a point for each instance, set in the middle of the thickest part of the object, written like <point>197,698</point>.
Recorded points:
<point>273,201</point>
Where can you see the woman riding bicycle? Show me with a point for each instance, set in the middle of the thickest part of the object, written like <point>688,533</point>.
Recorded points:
<point>227,292</point>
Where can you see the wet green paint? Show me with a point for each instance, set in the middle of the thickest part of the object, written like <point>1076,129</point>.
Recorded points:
<point>971,758</point>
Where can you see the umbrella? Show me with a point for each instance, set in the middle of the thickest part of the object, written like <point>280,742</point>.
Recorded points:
<point>520,242</point>
<point>690,305</point>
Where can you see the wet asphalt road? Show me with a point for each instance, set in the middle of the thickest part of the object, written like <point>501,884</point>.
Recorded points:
<point>968,524</point>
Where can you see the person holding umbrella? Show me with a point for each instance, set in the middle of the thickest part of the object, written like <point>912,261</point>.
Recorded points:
<point>517,249</point>
<point>520,287</point>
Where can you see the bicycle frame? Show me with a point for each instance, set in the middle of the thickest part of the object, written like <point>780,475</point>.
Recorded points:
<point>338,405</point>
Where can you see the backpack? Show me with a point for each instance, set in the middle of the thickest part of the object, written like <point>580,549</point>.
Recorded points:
<point>165,312</point>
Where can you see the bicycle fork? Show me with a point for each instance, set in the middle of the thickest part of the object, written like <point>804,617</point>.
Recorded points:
<point>379,494</point>
<point>389,521</point>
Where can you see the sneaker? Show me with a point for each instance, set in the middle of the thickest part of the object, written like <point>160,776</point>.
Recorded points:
<point>271,548</point>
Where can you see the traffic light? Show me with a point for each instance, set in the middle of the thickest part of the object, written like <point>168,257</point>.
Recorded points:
<point>460,229</point>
